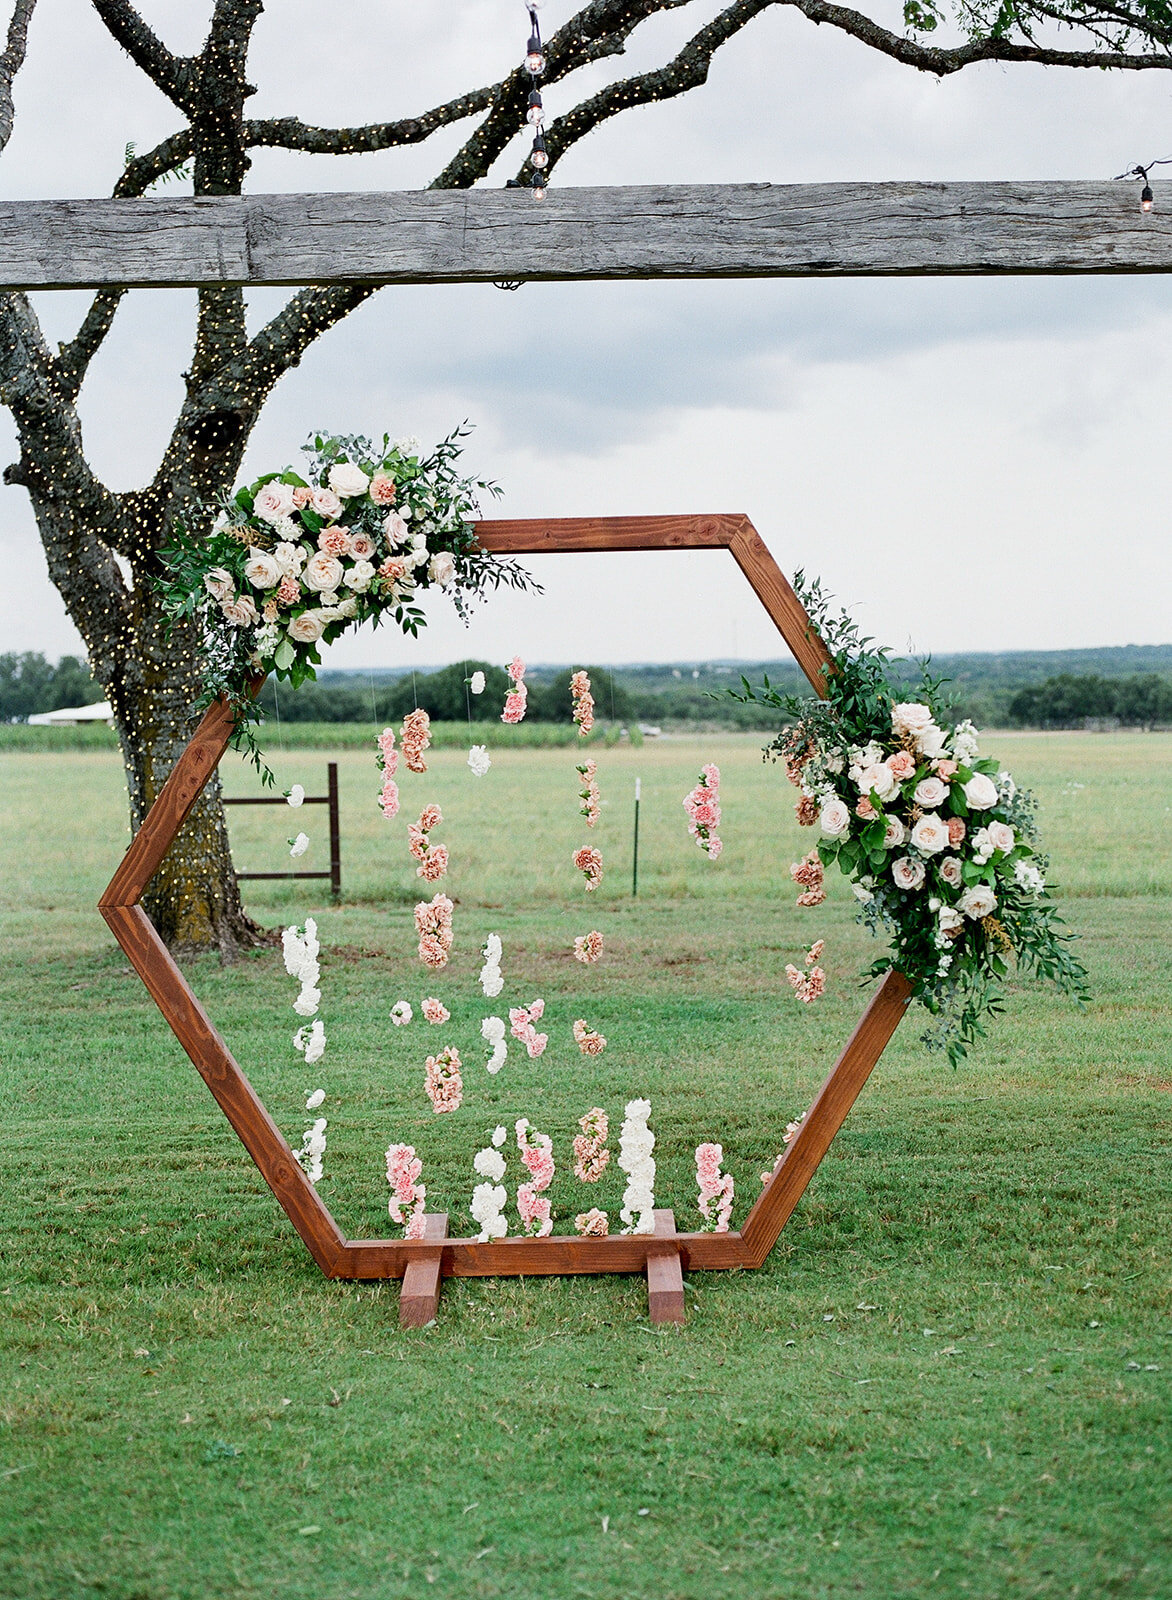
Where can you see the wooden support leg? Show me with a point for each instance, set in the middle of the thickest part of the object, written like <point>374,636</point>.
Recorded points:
<point>665,1278</point>
<point>419,1296</point>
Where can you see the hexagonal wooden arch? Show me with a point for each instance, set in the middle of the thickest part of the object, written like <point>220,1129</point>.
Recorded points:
<point>422,1263</point>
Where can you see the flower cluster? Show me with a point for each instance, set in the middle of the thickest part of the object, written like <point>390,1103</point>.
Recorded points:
<point>522,1019</point>
<point>491,981</point>
<point>588,793</point>
<point>591,1156</point>
<point>416,738</point>
<point>388,760</point>
<point>492,1031</point>
<point>537,1154</point>
<point>588,947</point>
<point>434,1011</point>
<point>432,858</point>
<point>407,1193</point>
<point>433,923</point>
<point>518,695</point>
<point>301,948</point>
<point>588,1042</point>
<point>490,1198</point>
<point>636,1142</point>
<point>716,1189</point>
<point>443,1082</point>
<point>313,1147</point>
<point>810,984</point>
<point>583,703</point>
<point>588,861</point>
<point>295,558</point>
<point>702,805</point>
<point>938,841</point>
<point>809,874</point>
<point>592,1224</point>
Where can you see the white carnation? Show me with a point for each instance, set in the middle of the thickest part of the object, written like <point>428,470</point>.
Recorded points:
<point>479,760</point>
<point>477,685</point>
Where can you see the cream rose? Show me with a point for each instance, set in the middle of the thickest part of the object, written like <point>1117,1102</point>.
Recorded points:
<point>262,570</point>
<point>273,502</point>
<point>359,577</point>
<point>908,873</point>
<point>930,741</point>
<point>219,583</point>
<point>326,503</point>
<point>949,870</point>
<point>322,572</point>
<point>835,819</point>
<point>395,528</point>
<point>879,778</point>
<point>930,793</point>
<point>895,835</point>
<point>910,718</point>
<point>348,480</point>
<point>442,567</point>
<point>980,792</point>
<point>951,921</point>
<point>290,558</point>
<point>361,546</point>
<point>240,613</point>
<point>978,902</point>
<point>307,628</point>
<point>930,834</point>
<point>1001,836</point>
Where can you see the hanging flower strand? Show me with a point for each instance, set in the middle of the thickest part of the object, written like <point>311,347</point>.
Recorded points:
<point>811,984</point>
<point>537,1154</point>
<point>522,1019</point>
<point>636,1142</point>
<point>588,1042</point>
<point>591,1156</point>
<point>407,1194</point>
<point>588,793</point>
<point>490,1197</point>
<point>702,805</point>
<point>388,760</point>
<point>588,861</point>
<point>433,923</point>
<point>588,947</point>
<point>518,695</point>
<point>432,858</point>
<point>416,739</point>
<point>443,1081</point>
<point>583,703</point>
<point>716,1189</point>
<point>492,1031</point>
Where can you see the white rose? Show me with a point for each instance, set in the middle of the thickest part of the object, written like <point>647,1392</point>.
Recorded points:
<point>1001,836</point>
<point>930,793</point>
<point>835,820</point>
<point>977,902</point>
<point>908,873</point>
<point>395,528</point>
<point>879,778</point>
<point>863,896</point>
<point>442,567</point>
<point>348,480</point>
<point>348,607</point>
<point>910,718</point>
<point>895,835</point>
<point>290,558</point>
<point>219,583</point>
<point>262,570</point>
<point>359,577</point>
<point>950,920</point>
<point>326,503</point>
<point>949,870</point>
<point>930,834</point>
<point>983,846</point>
<point>307,628</point>
<point>980,792</point>
<point>322,572</point>
<point>240,613</point>
<point>930,741</point>
<point>273,502</point>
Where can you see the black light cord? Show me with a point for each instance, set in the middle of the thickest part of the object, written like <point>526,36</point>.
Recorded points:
<point>535,111</point>
<point>1145,195</point>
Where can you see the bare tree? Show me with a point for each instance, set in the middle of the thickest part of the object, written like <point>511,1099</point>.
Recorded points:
<point>91,534</point>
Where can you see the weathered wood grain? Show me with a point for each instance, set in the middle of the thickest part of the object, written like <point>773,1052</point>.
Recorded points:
<point>677,231</point>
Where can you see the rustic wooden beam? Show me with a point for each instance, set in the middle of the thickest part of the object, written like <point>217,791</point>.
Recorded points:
<point>422,1280</point>
<point>665,1279</point>
<point>825,230</point>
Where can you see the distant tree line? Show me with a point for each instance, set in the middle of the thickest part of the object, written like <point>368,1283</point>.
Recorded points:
<point>29,684</point>
<point>1070,700</point>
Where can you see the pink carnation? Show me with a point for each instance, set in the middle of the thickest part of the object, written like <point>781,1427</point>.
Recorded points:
<point>902,765</point>
<point>443,1082</point>
<point>588,947</point>
<point>434,1011</point>
<point>334,541</point>
<point>382,489</point>
<point>415,739</point>
<point>588,861</point>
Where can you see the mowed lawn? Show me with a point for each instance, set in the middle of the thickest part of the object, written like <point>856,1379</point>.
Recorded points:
<point>951,1378</point>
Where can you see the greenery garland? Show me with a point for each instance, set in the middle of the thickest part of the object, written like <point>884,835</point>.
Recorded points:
<point>292,561</point>
<point>939,843</point>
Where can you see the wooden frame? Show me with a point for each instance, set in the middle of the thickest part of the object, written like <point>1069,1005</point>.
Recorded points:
<point>423,1263</point>
<point>329,799</point>
<point>751,230</point>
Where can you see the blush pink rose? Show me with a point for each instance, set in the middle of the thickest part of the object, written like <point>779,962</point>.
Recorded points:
<point>908,873</point>
<point>322,572</point>
<point>326,503</point>
<point>361,546</point>
<point>930,792</point>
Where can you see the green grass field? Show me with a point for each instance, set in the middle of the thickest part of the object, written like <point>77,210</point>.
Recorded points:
<point>951,1378</point>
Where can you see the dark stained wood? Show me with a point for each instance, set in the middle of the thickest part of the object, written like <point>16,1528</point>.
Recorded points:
<point>787,611</point>
<point>742,230</point>
<point>419,1296</point>
<point>665,1280</point>
<point>533,536</point>
<point>824,1118</point>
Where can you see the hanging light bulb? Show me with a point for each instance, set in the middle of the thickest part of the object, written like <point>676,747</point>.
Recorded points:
<point>539,155</point>
<point>534,55</point>
<point>535,114</point>
<point>1145,197</point>
<point>538,186</point>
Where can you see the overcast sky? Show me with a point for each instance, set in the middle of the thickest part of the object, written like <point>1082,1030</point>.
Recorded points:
<point>970,464</point>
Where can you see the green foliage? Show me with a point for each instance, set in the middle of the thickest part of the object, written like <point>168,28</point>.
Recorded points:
<point>1068,700</point>
<point>29,685</point>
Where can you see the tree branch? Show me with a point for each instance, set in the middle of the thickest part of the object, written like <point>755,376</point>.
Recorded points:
<point>174,75</point>
<point>290,133</point>
<point>11,62</point>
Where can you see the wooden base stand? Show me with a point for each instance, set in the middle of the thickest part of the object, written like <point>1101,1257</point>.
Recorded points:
<point>419,1296</point>
<point>665,1276</point>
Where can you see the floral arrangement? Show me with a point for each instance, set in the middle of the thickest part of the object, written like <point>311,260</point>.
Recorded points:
<point>588,1041</point>
<point>588,861</point>
<point>583,703</point>
<point>408,1195</point>
<point>589,794</point>
<point>432,858</point>
<point>433,923</point>
<point>522,1021</point>
<point>636,1142</point>
<point>939,843</point>
<point>388,760</point>
<point>313,1148</point>
<point>716,1189</point>
<point>591,1157</point>
<point>443,1081</point>
<point>588,947</point>
<point>532,1203</point>
<point>518,695</point>
<point>702,805</point>
<point>295,558</point>
<point>810,984</point>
